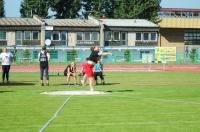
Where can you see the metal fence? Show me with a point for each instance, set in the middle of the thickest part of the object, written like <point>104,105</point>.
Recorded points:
<point>119,55</point>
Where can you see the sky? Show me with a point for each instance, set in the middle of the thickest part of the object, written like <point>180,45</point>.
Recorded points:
<point>12,6</point>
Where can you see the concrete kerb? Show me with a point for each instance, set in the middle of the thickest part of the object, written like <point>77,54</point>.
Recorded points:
<point>75,93</point>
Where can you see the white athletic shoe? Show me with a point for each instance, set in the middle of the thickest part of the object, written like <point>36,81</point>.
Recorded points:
<point>82,82</point>
<point>91,90</point>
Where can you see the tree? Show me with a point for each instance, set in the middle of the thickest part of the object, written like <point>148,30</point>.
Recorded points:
<point>193,55</point>
<point>2,11</point>
<point>65,8</point>
<point>98,8</point>
<point>137,9</point>
<point>28,8</point>
<point>124,9</point>
<point>88,7</point>
<point>150,10</point>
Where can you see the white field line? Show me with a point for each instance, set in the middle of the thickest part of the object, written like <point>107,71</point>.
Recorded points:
<point>55,115</point>
<point>175,101</point>
<point>164,123</point>
<point>136,123</point>
<point>163,100</point>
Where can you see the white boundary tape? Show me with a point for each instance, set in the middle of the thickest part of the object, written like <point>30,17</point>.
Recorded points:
<point>55,114</point>
<point>161,100</point>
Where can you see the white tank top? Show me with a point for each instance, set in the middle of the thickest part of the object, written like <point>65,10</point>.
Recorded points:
<point>6,58</point>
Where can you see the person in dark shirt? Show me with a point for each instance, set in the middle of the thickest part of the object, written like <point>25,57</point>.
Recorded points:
<point>71,71</point>
<point>43,58</point>
<point>92,60</point>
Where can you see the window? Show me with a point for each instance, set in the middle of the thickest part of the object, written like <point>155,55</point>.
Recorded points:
<point>2,35</point>
<point>184,14</point>
<point>56,35</point>
<point>95,36</point>
<point>178,14</point>
<point>27,35</point>
<point>192,37</point>
<point>35,35</point>
<point>87,36</point>
<point>123,36</point>
<point>79,36</point>
<point>48,35</point>
<point>19,37</point>
<point>116,36</point>
<point>146,36</point>
<point>153,36</point>
<point>108,36</point>
<point>63,36</point>
<point>138,36</point>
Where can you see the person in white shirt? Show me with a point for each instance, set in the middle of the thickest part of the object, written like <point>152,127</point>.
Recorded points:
<point>43,58</point>
<point>6,58</point>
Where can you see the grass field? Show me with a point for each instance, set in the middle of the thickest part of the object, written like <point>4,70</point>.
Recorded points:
<point>137,102</point>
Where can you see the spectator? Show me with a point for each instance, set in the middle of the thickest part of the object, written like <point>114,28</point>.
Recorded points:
<point>6,58</point>
<point>98,71</point>
<point>71,71</point>
<point>43,58</point>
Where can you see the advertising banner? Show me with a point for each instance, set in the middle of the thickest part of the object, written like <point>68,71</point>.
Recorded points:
<point>165,54</point>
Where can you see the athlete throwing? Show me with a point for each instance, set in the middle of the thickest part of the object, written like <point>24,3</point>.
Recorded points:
<point>92,60</point>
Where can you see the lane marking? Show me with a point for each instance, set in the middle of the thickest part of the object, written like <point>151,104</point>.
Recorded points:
<point>55,115</point>
<point>157,99</point>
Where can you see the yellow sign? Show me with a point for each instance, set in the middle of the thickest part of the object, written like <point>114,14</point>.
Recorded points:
<point>165,54</point>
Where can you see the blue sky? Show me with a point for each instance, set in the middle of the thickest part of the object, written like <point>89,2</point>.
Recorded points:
<point>12,6</point>
<point>180,3</point>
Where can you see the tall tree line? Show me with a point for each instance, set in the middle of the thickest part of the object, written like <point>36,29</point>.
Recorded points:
<point>2,10</point>
<point>28,8</point>
<point>61,8</point>
<point>65,8</point>
<point>124,9</point>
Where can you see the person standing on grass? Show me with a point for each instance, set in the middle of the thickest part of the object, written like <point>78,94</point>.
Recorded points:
<point>43,58</point>
<point>98,71</point>
<point>92,60</point>
<point>6,58</point>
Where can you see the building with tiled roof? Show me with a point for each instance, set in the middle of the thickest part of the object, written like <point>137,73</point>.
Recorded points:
<point>180,27</point>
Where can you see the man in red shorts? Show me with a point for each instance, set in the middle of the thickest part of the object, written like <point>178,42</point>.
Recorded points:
<point>92,59</point>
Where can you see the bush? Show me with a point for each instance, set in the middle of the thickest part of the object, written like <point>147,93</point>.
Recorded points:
<point>127,55</point>
<point>193,55</point>
<point>71,55</point>
<point>26,54</point>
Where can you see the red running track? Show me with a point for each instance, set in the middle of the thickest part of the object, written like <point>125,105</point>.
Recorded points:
<point>133,67</point>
